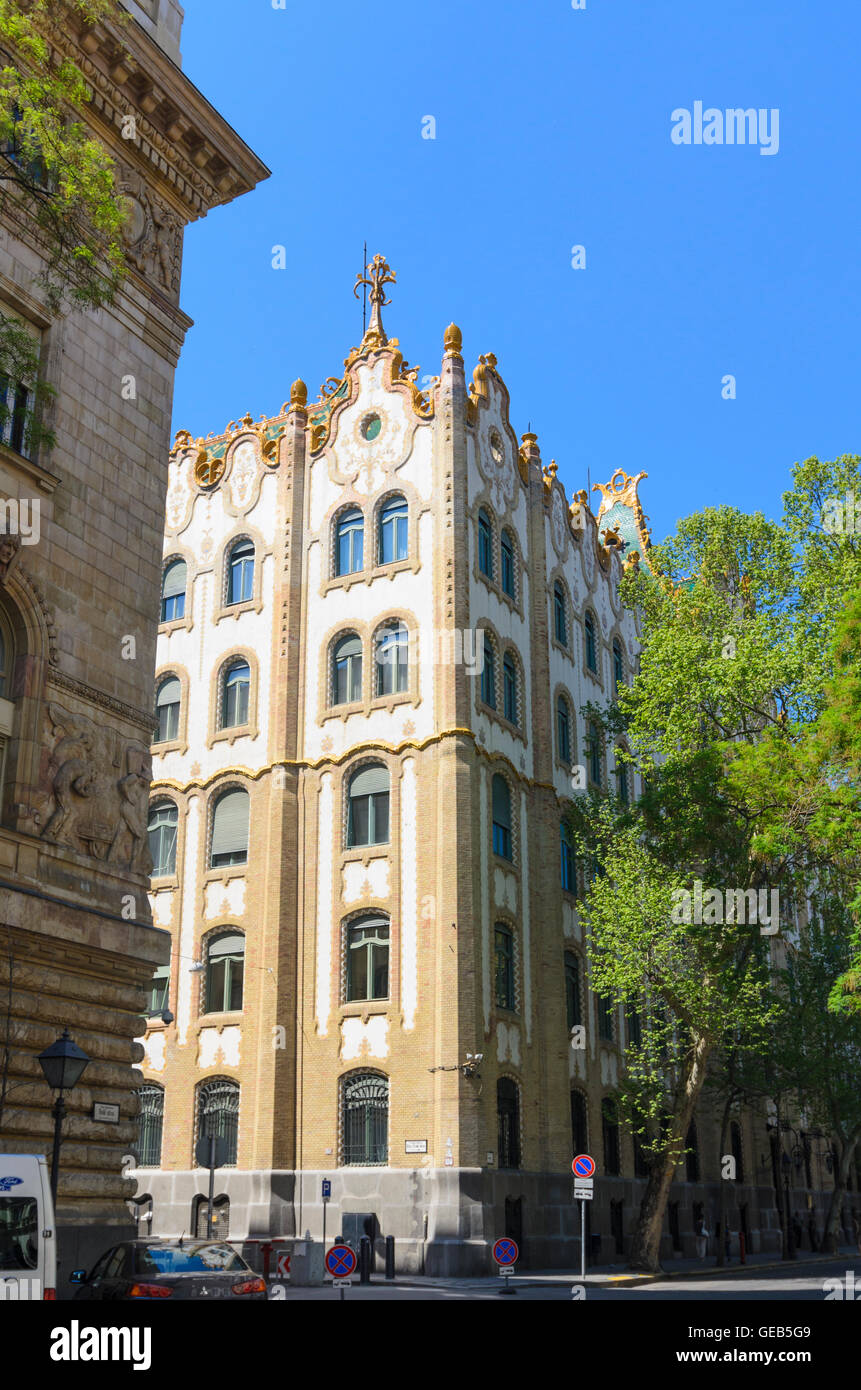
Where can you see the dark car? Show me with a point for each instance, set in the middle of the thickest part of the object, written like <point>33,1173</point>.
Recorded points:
<point>182,1268</point>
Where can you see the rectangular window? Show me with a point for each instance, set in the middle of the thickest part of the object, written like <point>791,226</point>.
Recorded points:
<point>159,991</point>
<point>504,951</point>
<point>605,1017</point>
<point>368,962</point>
<point>501,840</point>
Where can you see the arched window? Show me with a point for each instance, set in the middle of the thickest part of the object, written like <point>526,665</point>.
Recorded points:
<point>218,1114</point>
<point>391,652</point>
<point>365,1102</point>
<point>618,666</point>
<point>488,673</point>
<point>150,1125</point>
<point>7,650</point>
<point>591,647</point>
<point>349,545</point>
<point>225,968</point>
<point>167,703</point>
<point>579,1125</point>
<point>573,1007</point>
<point>560,614</point>
<point>610,1127</point>
<point>368,806</point>
<point>501,797</point>
<point>173,591</point>
<point>622,788</point>
<point>240,572</point>
<point>230,829</point>
<point>735,1146</point>
<point>235,689</point>
<point>508,1122</point>
<point>509,688</point>
<point>393,531</point>
<point>692,1155</point>
<point>568,867</point>
<point>506,560</point>
<point>563,730</point>
<point>347,670</point>
<point>368,959</point>
<point>485,544</point>
<point>503,951</point>
<point>594,754</point>
<point>161,829</point>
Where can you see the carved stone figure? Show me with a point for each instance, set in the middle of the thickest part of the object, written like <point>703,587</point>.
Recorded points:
<point>95,812</point>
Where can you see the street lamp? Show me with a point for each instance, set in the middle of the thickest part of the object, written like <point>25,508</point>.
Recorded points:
<point>63,1064</point>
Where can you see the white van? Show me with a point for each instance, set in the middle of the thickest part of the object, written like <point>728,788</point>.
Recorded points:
<point>28,1237</point>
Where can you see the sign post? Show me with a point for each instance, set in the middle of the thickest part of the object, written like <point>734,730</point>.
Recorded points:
<point>583,1168</point>
<point>211,1154</point>
<point>327,1192</point>
<point>340,1262</point>
<point>505,1252</point>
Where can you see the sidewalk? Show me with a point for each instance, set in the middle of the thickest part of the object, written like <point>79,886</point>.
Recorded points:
<point>610,1276</point>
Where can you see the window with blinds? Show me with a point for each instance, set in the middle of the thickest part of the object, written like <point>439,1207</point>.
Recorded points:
<point>501,801</point>
<point>167,709</point>
<point>230,829</point>
<point>368,809</point>
<point>173,591</point>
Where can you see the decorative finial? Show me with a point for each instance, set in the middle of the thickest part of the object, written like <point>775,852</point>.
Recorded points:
<point>379,274</point>
<point>298,395</point>
<point>453,340</point>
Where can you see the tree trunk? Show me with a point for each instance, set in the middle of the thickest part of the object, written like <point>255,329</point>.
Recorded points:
<point>724,1204</point>
<point>646,1243</point>
<point>831,1236</point>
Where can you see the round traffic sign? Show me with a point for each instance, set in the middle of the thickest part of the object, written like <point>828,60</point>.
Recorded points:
<point>583,1166</point>
<point>505,1251</point>
<point>340,1261</point>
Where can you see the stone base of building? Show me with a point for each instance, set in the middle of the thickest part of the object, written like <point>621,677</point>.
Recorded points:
<point>445,1220</point>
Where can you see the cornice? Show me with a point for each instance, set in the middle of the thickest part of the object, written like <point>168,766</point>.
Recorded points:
<point>98,697</point>
<point>314,764</point>
<point>180,136</point>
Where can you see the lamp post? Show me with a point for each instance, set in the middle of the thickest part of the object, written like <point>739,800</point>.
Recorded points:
<point>63,1064</point>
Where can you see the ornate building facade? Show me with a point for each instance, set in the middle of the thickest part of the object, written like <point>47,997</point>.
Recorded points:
<point>78,603</point>
<point>382,621</point>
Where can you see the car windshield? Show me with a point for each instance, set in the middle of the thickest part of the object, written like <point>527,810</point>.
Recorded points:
<point>204,1259</point>
<point>18,1244</point>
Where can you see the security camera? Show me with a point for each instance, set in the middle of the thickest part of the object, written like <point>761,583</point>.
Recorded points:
<point>167,1016</point>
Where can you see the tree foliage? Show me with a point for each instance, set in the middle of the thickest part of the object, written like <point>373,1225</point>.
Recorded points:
<point>55,175</point>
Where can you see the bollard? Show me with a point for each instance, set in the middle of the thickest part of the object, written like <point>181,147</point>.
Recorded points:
<point>364,1260</point>
<point>390,1257</point>
<point>741,1247</point>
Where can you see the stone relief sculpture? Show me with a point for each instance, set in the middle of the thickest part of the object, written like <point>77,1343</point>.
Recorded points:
<point>152,234</point>
<point>95,811</point>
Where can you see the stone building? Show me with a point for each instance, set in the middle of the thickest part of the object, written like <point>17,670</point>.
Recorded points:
<point>79,598</point>
<point>381,621</point>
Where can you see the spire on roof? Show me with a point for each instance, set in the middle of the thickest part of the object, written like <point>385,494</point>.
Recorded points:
<point>379,274</point>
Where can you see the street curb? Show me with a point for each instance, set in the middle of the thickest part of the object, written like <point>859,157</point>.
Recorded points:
<point>610,1281</point>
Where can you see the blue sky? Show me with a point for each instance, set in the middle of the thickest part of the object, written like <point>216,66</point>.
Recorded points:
<point>552,130</point>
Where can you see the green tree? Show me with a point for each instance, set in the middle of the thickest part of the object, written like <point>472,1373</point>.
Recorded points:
<point>56,176</point>
<point>731,685</point>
